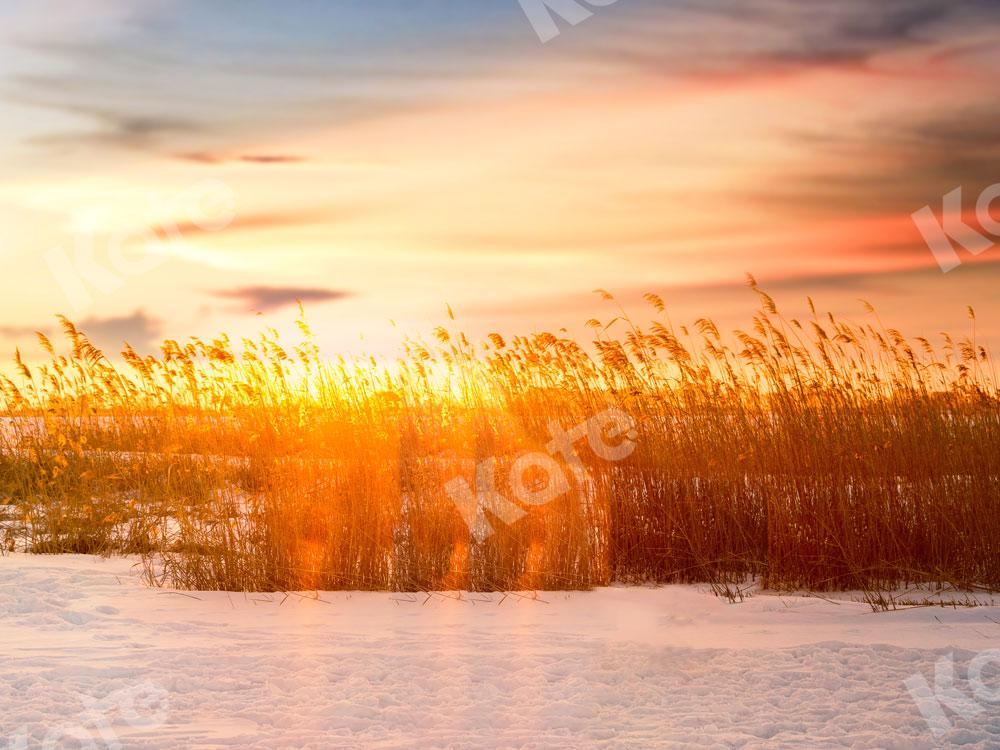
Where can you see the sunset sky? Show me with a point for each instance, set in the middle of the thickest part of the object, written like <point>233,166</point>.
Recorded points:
<point>380,160</point>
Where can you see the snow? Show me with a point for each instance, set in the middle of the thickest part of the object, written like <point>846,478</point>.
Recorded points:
<point>92,658</point>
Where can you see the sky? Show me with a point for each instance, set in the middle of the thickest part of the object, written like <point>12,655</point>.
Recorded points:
<point>176,168</point>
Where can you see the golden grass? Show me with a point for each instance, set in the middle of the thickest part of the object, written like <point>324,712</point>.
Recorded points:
<point>819,454</point>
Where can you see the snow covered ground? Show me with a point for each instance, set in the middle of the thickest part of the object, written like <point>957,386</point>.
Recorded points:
<point>91,658</point>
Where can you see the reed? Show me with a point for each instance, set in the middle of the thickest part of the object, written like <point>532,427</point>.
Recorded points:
<point>817,454</point>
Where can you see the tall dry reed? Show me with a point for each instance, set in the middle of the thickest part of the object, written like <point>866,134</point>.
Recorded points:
<point>813,453</point>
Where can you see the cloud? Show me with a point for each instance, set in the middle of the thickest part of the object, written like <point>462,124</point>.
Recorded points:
<point>141,78</point>
<point>21,332</point>
<point>745,39</point>
<point>201,157</point>
<point>305,78</point>
<point>266,298</point>
<point>271,159</point>
<point>254,222</point>
<point>111,127</point>
<point>888,167</point>
<point>207,157</point>
<point>138,329</point>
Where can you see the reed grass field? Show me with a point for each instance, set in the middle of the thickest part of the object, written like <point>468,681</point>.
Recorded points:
<point>811,454</point>
<point>332,445</point>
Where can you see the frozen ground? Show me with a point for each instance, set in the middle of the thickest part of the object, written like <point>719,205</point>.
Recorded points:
<point>93,659</point>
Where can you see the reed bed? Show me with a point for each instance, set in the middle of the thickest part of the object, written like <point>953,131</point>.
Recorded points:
<point>817,454</point>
